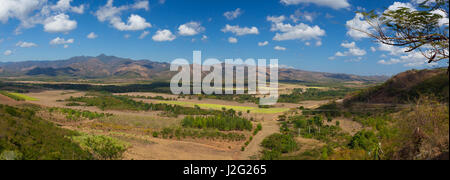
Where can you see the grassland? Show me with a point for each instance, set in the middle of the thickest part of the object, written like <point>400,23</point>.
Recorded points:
<point>236,108</point>
<point>18,96</point>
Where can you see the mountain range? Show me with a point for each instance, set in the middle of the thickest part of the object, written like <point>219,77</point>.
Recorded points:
<point>103,66</point>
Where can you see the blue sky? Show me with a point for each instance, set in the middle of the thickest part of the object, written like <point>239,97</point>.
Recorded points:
<point>304,34</point>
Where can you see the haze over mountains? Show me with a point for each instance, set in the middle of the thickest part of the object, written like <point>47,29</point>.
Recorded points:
<point>104,66</point>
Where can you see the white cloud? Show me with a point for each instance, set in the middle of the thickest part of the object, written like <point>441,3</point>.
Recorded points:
<point>373,49</point>
<point>335,4</point>
<point>400,56</point>
<point>59,23</point>
<point>127,36</point>
<point>25,44</point>
<point>190,29</point>
<point>135,23</point>
<point>141,5</point>
<point>414,59</point>
<point>66,46</point>
<point>204,38</point>
<point>112,14</point>
<point>64,5</point>
<point>398,5</point>
<point>240,31</point>
<point>349,45</point>
<point>353,50</point>
<point>7,52</point>
<point>144,34</point>
<point>279,48</point>
<point>230,15</point>
<point>444,20</point>
<point>92,35</point>
<point>276,19</point>
<point>59,41</point>
<point>356,25</point>
<point>32,12</point>
<point>299,15</point>
<point>232,40</point>
<point>265,43</point>
<point>307,43</point>
<point>163,35</point>
<point>291,32</point>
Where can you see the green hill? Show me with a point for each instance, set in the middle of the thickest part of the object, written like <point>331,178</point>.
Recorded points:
<point>406,87</point>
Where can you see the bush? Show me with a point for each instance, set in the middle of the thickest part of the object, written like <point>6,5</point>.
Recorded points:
<point>280,142</point>
<point>103,147</point>
<point>364,140</point>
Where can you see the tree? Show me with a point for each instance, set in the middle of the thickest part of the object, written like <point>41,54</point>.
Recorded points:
<point>421,30</point>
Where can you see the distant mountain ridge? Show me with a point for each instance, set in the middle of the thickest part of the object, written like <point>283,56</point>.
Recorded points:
<point>104,66</point>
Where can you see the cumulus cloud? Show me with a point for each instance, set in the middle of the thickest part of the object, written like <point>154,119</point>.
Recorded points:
<point>144,34</point>
<point>230,15</point>
<point>60,41</point>
<point>135,23</point>
<point>25,44</point>
<point>357,26</point>
<point>190,29</point>
<point>292,32</point>
<point>265,43</point>
<point>163,35</point>
<point>400,56</point>
<point>92,35</point>
<point>335,4</point>
<point>300,15</point>
<point>353,50</point>
<point>415,59</point>
<point>240,31</point>
<point>112,14</point>
<point>204,38</point>
<point>7,52</point>
<point>32,12</point>
<point>232,40</point>
<point>64,5</point>
<point>279,48</point>
<point>59,23</point>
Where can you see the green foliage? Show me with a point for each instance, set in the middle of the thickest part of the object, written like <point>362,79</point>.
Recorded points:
<point>106,101</point>
<point>203,133</point>
<point>103,147</point>
<point>12,96</point>
<point>220,122</point>
<point>280,142</point>
<point>76,115</point>
<point>366,140</point>
<point>257,129</point>
<point>314,94</point>
<point>33,138</point>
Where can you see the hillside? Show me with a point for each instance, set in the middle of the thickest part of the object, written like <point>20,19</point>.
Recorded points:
<point>111,67</point>
<point>407,86</point>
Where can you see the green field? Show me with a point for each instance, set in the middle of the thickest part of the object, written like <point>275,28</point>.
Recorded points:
<point>25,97</point>
<point>236,108</point>
<point>18,96</point>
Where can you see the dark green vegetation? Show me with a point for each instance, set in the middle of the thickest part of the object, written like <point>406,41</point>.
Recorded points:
<point>315,94</point>
<point>277,144</point>
<point>101,147</point>
<point>30,137</point>
<point>157,87</point>
<point>106,101</point>
<point>76,115</point>
<point>212,134</point>
<point>406,87</point>
<point>220,122</point>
